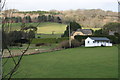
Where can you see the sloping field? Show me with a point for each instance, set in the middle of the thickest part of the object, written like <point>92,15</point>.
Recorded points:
<point>48,28</point>
<point>98,62</point>
<point>44,28</point>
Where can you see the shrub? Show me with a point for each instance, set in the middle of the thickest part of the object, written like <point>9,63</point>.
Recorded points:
<point>43,44</point>
<point>65,44</point>
<point>39,44</point>
<point>16,44</point>
<point>75,43</point>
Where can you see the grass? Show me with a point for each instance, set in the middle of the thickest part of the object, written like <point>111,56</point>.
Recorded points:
<point>17,50</point>
<point>45,27</point>
<point>48,28</point>
<point>48,40</point>
<point>98,62</point>
<point>48,36</point>
<point>94,29</point>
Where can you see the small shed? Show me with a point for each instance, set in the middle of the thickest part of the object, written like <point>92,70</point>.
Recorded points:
<point>97,41</point>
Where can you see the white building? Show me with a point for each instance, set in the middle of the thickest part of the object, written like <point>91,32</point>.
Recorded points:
<point>97,41</point>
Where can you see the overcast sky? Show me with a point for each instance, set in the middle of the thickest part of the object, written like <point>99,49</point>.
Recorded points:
<point>30,5</point>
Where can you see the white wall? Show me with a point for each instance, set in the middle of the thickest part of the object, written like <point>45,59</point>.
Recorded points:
<point>92,44</point>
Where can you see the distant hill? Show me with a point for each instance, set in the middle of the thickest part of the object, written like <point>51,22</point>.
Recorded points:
<point>91,18</point>
<point>94,18</point>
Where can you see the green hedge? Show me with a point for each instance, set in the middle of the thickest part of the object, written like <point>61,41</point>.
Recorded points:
<point>114,39</point>
<point>48,40</point>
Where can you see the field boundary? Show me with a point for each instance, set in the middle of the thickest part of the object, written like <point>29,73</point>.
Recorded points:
<point>38,52</point>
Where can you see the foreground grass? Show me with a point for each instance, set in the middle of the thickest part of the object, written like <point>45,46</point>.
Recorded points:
<point>99,62</point>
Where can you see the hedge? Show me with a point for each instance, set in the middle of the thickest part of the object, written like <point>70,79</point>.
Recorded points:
<point>48,40</point>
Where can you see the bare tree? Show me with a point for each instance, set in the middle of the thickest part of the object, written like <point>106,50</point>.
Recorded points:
<point>5,30</point>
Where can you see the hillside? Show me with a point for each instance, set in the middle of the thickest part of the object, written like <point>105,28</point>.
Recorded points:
<point>95,18</point>
<point>91,18</point>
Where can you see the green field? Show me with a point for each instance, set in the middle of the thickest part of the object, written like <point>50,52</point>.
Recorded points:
<point>48,36</point>
<point>94,29</point>
<point>47,28</point>
<point>44,28</point>
<point>98,62</point>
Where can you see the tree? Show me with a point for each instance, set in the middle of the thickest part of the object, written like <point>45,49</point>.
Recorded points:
<point>27,19</point>
<point>19,19</point>
<point>42,18</point>
<point>113,26</point>
<point>50,18</point>
<point>98,32</point>
<point>58,20</point>
<point>73,27</point>
<point>9,36</point>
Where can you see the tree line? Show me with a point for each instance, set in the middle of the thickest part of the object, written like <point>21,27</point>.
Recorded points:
<point>28,19</point>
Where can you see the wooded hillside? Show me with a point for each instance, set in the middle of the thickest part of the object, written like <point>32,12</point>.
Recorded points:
<point>87,18</point>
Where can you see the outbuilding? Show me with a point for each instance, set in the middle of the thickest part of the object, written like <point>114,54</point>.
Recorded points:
<point>97,41</point>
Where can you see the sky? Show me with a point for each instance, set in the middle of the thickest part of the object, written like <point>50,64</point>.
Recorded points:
<point>46,5</point>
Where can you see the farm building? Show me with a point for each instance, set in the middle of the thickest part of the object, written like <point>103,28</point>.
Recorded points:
<point>81,32</point>
<point>97,41</point>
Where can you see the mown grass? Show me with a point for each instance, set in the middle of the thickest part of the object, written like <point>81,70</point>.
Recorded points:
<point>98,62</point>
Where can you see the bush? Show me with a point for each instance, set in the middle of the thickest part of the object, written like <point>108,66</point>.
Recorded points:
<point>75,43</point>
<point>39,44</point>
<point>65,44</point>
<point>42,44</point>
<point>16,44</point>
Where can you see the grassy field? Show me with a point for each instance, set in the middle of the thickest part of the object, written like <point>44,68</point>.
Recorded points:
<point>48,28</point>
<point>98,62</point>
<point>48,36</point>
<point>44,28</point>
<point>32,49</point>
<point>94,29</point>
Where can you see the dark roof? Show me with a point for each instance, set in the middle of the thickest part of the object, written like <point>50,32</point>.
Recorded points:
<point>99,38</point>
<point>84,31</point>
